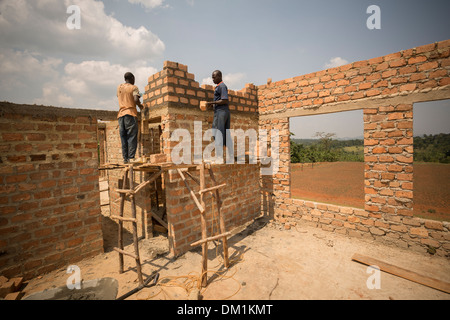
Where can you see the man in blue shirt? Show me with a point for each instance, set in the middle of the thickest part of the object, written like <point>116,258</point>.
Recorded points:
<point>221,120</point>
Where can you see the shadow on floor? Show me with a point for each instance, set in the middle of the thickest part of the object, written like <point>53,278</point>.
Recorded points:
<point>110,230</point>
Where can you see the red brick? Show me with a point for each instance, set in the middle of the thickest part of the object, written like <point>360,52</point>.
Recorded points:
<point>397,63</point>
<point>407,70</point>
<point>422,232</point>
<point>425,48</point>
<point>16,159</point>
<point>74,242</point>
<point>417,59</point>
<point>371,93</point>
<point>389,73</point>
<point>36,137</point>
<point>428,66</point>
<point>436,225</point>
<point>395,168</point>
<point>444,81</point>
<point>12,137</point>
<point>408,87</point>
<point>379,150</point>
<point>16,179</point>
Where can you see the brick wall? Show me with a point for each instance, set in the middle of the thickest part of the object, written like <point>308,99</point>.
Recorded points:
<point>414,70</point>
<point>241,204</point>
<point>386,89</point>
<point>49,202</point>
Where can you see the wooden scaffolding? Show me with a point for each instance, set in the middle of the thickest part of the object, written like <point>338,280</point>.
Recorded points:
<point>157,170</point>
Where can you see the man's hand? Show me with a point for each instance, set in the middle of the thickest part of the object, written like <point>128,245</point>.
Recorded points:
<point>137,101</point>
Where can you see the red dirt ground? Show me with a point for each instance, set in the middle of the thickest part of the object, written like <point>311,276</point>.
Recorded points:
<point>342,183</point>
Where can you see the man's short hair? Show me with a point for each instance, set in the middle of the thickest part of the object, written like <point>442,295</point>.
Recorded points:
<point>219,73</point>
<point>128,76</point>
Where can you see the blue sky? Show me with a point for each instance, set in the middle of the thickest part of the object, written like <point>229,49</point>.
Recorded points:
<point>43,62</point>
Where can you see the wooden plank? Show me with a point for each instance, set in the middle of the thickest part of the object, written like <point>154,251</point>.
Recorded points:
<point>223,235</point>
<point>160,220</point>
<point>6,288</point>
<point>222,226</point>
<point>192,177</point>
<point>125,253</point>
<point>212,188</point>
<point>124,191</point>
<point>15,295</point>
<point>194,197</point>
<point>123,218</point>
<point>403,273</point>
<point>150,180</point>
<point>204,274</point>
<point>120,229</point>
<point>159,228</point>
<point>135,235</point>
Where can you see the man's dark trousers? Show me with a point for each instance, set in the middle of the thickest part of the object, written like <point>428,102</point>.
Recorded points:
<point>128,129</point>
<point>221,124</point>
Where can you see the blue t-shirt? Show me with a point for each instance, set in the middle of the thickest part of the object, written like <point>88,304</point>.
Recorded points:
<point>221,93</point>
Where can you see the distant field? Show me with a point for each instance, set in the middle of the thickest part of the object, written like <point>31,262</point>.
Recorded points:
<point>342,183</point>
<point>354,149</point>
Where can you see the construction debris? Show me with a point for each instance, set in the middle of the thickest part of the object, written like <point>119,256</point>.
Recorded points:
<point>10,289</point>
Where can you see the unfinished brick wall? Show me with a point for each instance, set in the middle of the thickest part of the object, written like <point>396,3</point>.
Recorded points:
<point>241,203</point>
<point>173,96</point>
<point>50,204</point>
<point>386,89</point>
<point>172,100</point>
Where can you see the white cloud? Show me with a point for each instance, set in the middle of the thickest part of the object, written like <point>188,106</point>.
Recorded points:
<point>335,62</point>
<point>89,84</point>
<point>149,4</point>
<point>92,84</point>
<point>26,63</point>
<point>102,77</point>
<point>52,96</point>
<point>22,73</point>
<point>234,81</point>
<point>40,25</point>
<point>43,62</point>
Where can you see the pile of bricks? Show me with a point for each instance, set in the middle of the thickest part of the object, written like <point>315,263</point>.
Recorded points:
<point>10,289</point>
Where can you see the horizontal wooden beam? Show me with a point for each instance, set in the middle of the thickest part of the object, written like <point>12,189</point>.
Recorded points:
<point>223,235</point>
<point>212,188</point>
<point>126,253</point>
<point>125,191</point>
<point>124,219</point>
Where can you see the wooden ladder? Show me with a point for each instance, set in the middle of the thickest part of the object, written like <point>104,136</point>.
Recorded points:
<point>201,206</point>
<point>129,175</point>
